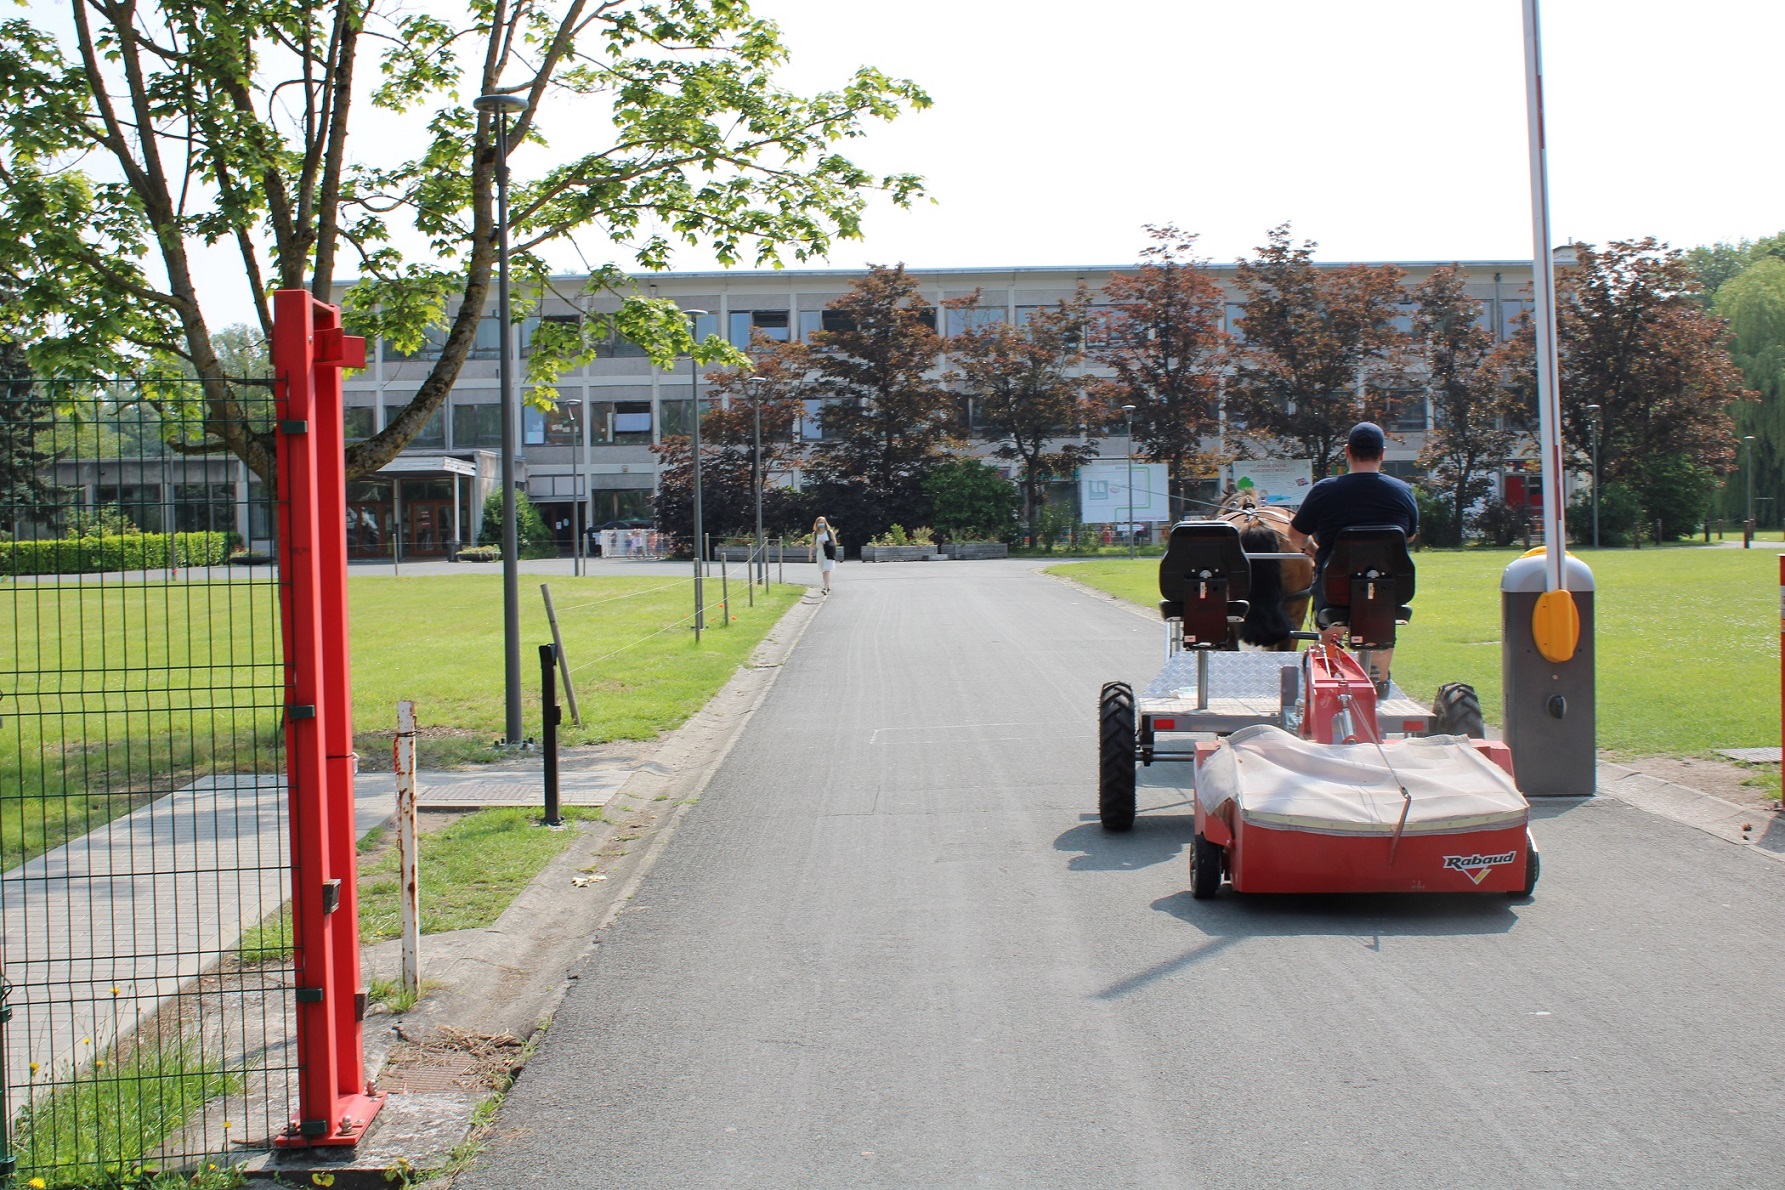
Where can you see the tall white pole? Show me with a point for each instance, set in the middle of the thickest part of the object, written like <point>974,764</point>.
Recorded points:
<point>1543,280</point>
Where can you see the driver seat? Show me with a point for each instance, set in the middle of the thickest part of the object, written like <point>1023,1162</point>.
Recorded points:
<point>1368,583</point>
<point>1203,580</point>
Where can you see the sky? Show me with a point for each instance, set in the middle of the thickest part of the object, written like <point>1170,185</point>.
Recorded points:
<point>1381,129</point>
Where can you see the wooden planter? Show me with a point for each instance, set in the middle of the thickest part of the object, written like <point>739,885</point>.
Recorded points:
<point>970,550</point>
<point>899,553</point>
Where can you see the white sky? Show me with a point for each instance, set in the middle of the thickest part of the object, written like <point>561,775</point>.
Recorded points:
<point>1384,129</point>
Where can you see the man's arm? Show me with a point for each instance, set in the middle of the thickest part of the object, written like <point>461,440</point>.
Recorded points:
<point>1300,540</point>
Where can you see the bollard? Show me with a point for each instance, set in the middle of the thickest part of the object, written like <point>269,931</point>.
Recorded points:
<point>1747,535</point>
<point>548,704</point>
<point>408,878</point>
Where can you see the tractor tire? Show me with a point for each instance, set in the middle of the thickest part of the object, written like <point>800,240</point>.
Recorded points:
<point>1457,711</point>
<point>1115,756</point>
<point>1206,859</point>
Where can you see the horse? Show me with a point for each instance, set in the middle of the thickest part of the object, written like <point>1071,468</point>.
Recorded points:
<point>1281,590</point>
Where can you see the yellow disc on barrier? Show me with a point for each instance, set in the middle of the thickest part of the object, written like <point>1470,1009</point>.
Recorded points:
<point>1555,625</point>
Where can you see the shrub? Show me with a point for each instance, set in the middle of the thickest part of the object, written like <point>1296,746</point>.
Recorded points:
<point>972,501</point>
<point>1620,511</point>
<point>481,553</point>
<point>536,541</point>
<point>125,551</point>
<point>1502,523</point>
<point>1437,519</point>
<point>896,535</point>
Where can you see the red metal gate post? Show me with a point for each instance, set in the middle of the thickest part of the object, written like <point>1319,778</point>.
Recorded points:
<point>309,351</point>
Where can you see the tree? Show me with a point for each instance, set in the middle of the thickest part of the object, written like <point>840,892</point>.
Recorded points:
<point>970,499</point>
<point>1753,304</point>
<point>535,540</point>
<point>1475,422</point>
<point>885,420</point>
<point>728,437</point>
<point>27,495</point>
<point>1163,342</point>
<point>1319,351</point>
<point>1633,339</point>
<point>211,124</point>
<point>1712,265</point>
<point>1025,386</point>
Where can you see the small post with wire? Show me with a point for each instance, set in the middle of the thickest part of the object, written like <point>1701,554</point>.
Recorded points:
<point>408,875</point>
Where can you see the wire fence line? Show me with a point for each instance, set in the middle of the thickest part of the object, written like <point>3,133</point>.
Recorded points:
<point>142,805</point>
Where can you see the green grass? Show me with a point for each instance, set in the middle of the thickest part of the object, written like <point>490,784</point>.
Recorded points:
<point>468,872</point>
<point>96,1128</point>
<point>111,695</point>
<point>1687,645</point>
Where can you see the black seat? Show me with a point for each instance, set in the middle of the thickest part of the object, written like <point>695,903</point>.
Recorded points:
<point>1203,580</point>
<point>1368,583</point>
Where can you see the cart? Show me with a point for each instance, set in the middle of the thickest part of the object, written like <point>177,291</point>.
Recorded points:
<point>1307,776</point>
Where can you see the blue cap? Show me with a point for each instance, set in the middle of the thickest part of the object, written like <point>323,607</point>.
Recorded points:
<point>1367,440</point>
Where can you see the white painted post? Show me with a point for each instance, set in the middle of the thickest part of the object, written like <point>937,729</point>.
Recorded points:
<point>406,856</point>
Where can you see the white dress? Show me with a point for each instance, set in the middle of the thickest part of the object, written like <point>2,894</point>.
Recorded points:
<point>825,565</point>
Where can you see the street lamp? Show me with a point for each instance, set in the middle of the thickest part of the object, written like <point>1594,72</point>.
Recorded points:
<point>500,108</point>
<point>1593,412</point>
<point>1128,411</point>
<point>756,476</point>
<point>579,506</point>
<point>699,553</point>
<point>1748,534</point>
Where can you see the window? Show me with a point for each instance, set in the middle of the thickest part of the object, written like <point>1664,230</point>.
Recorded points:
<point>1511,310</point>
<point>1407,410</point>
<point>744,323</point>
<point>475,426</point>
<point>1484,315</point>
<point>140,502</point>
<point>1235,311</point>
<point>828,321</point>
<point>1403,469</point>
<point>204,508</point>
<point>359,423</point>
<point>1403,317</point>
<point>627,423</point>
<point>433,342</point>
<point>678,418</point>
<point>539,428</point>
<point>811,427</point>
<point>433,434</point>
<point>972,318</point>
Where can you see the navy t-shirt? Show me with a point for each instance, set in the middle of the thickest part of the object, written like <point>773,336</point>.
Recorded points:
<point>1351,501</point>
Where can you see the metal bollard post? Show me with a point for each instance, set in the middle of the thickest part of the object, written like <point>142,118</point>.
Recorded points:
<point>548,702</point>
<point>752,584</point>
<point>724,589</point>
<point>781,559</point>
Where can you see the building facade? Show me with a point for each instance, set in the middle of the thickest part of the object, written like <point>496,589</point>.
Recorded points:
<point>590,461</point>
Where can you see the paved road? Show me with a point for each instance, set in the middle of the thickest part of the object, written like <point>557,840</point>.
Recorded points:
<point>891,948</point>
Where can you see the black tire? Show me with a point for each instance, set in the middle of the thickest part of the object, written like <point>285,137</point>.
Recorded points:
<point>1115,756</point>
<point>1457,711</point>
<point>1206,859</point>
<point>1533,868</point>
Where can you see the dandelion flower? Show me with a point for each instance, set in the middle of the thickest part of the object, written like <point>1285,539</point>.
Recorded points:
<point>115,991</point>
<point>34,1069</point>
<point>35,1184</point>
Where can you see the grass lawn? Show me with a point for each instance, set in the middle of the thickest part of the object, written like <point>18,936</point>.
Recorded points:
<point>113,693</point>
<point>1688,656</point>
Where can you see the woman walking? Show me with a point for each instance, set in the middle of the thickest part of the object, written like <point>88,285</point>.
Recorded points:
<point>825,548</point>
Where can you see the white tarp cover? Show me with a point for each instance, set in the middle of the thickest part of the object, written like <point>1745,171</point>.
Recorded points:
<point>1281,780</point>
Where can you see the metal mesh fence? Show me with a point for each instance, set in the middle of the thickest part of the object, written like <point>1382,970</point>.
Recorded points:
<point>142,806</point>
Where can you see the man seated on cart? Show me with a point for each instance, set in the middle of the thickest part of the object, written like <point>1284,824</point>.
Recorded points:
<point>1362,496</point>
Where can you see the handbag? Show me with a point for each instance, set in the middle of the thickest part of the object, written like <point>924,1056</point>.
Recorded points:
<point>830,550</point>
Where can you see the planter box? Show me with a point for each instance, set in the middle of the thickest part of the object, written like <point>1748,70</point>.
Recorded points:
<point>969,550</point>
<point>899,553</point>
<point>741,553</point>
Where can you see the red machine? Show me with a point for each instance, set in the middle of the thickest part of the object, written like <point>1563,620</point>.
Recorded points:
<point>1302,789</point>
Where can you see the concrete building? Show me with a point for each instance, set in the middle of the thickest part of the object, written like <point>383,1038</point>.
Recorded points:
<point>597,453</point>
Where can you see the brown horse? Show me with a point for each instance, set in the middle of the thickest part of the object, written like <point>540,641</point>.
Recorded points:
<point>1281,590</point>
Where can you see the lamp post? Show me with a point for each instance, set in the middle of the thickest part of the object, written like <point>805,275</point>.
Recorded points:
<point>1593,412</point>
<point>1748,529</point>
<point>756,477</point>
<point>1128,411</point>
<point>579,505</point>
<point>500,108</point>
<point>699,551</point>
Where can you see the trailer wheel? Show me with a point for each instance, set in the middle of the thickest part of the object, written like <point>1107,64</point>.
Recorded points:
<point>1205,868</point>
<point>1533,867</point>
<point>1115,756</point>
<point>1457,711</point>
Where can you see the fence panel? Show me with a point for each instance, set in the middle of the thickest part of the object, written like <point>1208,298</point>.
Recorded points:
<point>142,801</point>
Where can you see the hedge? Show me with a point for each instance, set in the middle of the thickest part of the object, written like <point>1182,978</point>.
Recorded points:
<point>129,551</point>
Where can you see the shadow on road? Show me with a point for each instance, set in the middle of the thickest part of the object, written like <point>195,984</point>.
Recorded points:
<point>1156,838</point>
